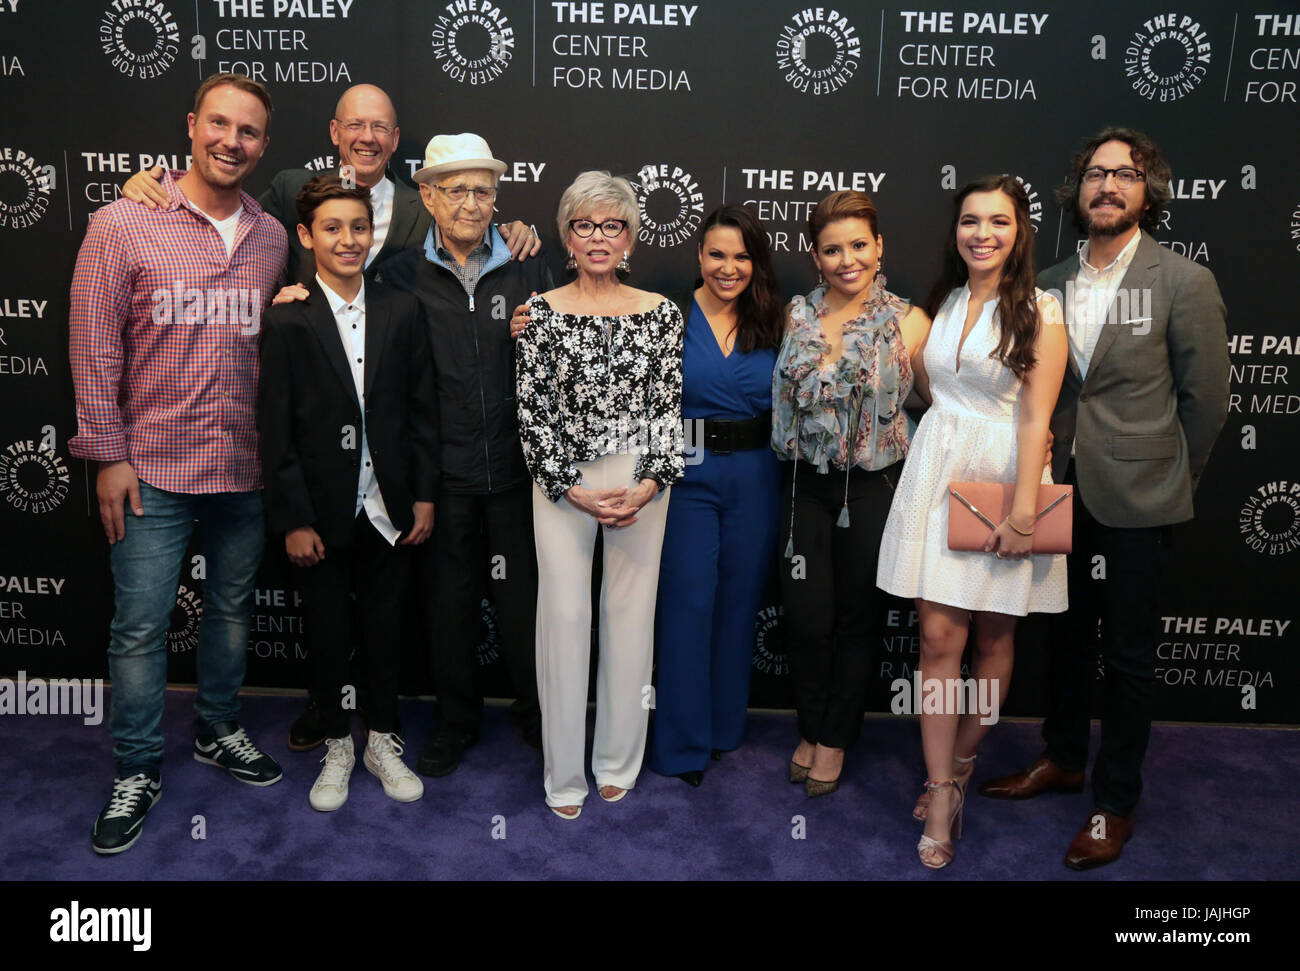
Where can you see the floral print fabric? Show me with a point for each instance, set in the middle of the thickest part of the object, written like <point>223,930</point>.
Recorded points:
<point>590,386</point>
<point>816,410</point>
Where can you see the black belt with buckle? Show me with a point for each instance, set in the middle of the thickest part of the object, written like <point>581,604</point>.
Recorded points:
<point>725,437</point>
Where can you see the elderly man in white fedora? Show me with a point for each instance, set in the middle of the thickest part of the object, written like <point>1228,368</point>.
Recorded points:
<point>483,525</point>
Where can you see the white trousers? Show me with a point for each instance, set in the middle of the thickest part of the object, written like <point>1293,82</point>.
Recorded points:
<point>566,539</point>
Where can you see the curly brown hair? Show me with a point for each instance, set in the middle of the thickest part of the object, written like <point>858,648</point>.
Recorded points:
<point>1146,156</point>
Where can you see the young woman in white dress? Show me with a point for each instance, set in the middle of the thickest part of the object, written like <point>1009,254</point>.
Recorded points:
<point>993,363</point>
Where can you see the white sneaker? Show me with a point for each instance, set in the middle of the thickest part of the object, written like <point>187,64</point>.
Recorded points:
<point>331,788</point>
<point>384,760</point>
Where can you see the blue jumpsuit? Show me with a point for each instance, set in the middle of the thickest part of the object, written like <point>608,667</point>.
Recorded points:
<point>717,555</point>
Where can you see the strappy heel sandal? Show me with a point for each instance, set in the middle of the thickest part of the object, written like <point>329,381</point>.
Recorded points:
<point>923,800</point>
<point>943,849</point>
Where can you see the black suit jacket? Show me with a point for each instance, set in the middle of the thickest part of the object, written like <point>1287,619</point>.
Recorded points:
<point>311,421</point>
<point>409,225</point>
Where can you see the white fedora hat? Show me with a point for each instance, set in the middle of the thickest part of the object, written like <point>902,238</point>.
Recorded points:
<point>454,153</point>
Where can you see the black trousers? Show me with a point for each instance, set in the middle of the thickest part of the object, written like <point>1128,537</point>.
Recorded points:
<point>832,606</point>
<point>377,575</point>
<point>1114,580</point>
<point>481,541</point>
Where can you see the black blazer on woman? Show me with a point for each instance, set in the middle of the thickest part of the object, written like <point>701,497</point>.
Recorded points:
<point>310,418</point>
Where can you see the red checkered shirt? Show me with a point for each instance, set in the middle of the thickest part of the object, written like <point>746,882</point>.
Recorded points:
<point>163,336</point>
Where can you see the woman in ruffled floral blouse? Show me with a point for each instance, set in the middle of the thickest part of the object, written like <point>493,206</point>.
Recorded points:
<point>842,375</point>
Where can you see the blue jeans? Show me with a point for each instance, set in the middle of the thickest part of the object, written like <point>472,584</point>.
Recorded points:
<point>146,573</point>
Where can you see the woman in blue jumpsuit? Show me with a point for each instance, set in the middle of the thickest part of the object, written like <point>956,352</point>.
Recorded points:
<point>724,516</point>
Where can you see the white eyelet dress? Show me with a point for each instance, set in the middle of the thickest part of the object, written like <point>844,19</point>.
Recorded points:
<point>968,434</point>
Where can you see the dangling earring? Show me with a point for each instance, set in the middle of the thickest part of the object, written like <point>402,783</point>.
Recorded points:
<point>572,264</point>
<point>624,267</point>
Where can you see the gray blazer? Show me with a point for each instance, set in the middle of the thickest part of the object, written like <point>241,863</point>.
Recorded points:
<point>409,225</point>
<point>1156,396</point>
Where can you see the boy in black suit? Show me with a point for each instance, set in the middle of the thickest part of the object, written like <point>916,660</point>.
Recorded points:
<point>349,424</point>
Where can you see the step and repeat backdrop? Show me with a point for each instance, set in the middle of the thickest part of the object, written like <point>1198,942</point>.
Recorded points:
<point>770,103</point>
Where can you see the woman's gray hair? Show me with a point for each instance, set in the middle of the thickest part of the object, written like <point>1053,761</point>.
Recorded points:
<point>597,190</point>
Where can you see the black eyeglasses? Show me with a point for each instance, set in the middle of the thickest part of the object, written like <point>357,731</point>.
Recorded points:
<point>1125,177</point>
<point>610,228</point>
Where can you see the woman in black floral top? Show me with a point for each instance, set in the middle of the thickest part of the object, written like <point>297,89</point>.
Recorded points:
<point>599,379</point>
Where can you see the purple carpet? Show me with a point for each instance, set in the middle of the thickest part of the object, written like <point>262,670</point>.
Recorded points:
<point>1218,805</point>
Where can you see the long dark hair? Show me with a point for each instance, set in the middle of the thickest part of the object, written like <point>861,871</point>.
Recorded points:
<point>1017,308</point>
<point>759,310</point>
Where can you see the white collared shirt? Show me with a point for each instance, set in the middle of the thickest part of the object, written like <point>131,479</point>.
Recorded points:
<point>381,200</point>
<point>1094,292</point>
<point>351,321</point>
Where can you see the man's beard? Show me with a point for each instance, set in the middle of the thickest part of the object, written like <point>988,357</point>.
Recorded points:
<point>1119,227</point>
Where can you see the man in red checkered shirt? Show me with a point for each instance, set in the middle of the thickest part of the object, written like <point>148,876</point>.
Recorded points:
<point>165,314</point>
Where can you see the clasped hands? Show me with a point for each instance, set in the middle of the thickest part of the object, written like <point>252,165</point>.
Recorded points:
<point>613,507</point>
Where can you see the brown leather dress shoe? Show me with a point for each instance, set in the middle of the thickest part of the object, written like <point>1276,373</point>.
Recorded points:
<point>1100,841</point>
<point>1043,776</point>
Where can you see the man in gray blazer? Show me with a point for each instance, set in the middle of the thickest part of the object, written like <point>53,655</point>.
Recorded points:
<point>1144,398</point>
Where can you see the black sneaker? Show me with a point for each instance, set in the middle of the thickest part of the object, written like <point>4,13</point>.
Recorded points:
<point>229,746</point>
<point>121,820</point>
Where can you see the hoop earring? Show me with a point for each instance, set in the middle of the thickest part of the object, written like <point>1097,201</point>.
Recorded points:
<point>572,264</point>
<point>624,268</point>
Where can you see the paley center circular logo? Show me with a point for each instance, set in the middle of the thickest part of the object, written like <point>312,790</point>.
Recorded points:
<point>183,631</point>
<point>1168,57</point>
<point>1035,203</point>
<point>25,188</point>
<point>488,651</point>
<point>671,204</point>
<point>818,50</point>
<point>769,655</point>
<point>33,479</point>
<point>1270,519</point>
<point>140,37</point>
<point>473,42</point>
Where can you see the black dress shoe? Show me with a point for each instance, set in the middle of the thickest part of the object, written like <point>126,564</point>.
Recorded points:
<point>443,753</point>
<point>308,731</point>
<point>691,778</point>
<point>716,755</point>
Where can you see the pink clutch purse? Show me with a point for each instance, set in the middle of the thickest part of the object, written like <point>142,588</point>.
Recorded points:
<point>975,509</point>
